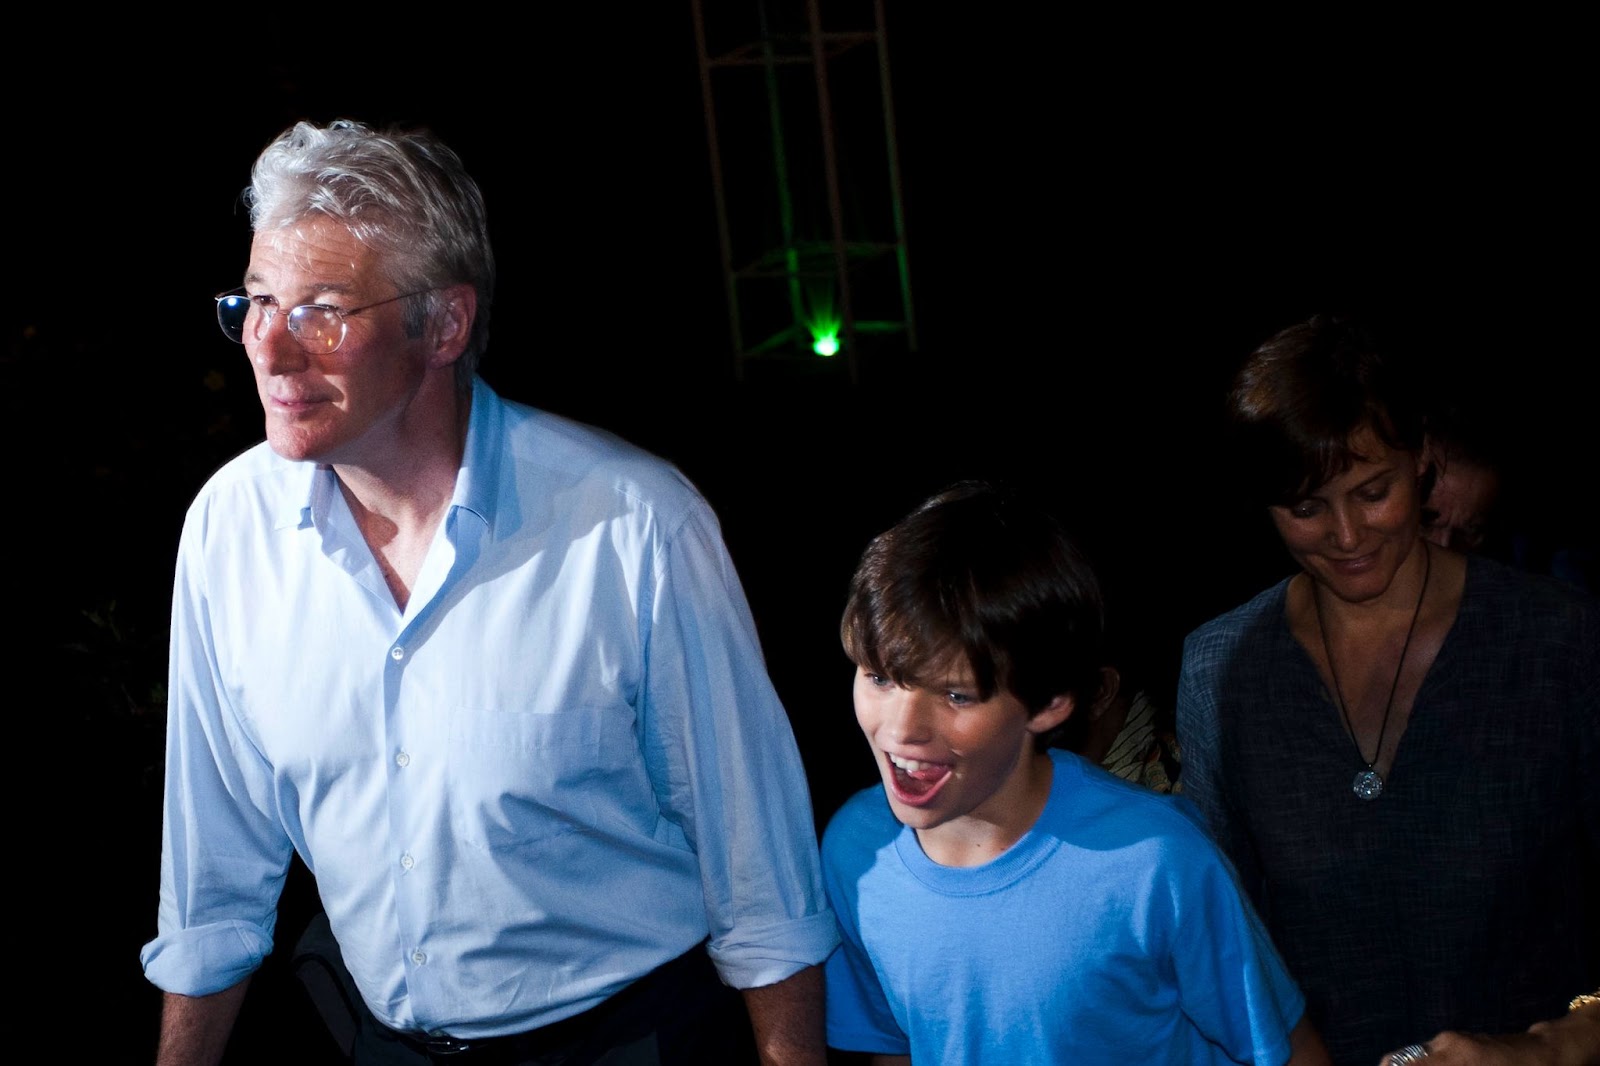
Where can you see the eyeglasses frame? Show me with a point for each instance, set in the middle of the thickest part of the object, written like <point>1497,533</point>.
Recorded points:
<point>342,313</point>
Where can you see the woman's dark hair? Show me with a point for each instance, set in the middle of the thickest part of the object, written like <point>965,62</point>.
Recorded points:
<point>1304,394</point>
<point>988,573</point>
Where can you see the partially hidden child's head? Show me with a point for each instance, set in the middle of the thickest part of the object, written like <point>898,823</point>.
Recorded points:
<point>986,574</point>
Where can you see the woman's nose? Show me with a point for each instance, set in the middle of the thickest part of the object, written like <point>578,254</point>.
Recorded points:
<point>1346,528</point>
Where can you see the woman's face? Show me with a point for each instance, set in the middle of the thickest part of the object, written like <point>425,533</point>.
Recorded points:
<point>1352,533</point>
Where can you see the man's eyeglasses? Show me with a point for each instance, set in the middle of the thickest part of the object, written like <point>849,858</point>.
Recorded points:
<point>318,328</point>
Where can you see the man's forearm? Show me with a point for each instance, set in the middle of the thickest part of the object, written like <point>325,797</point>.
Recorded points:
<point>194,1029</point>
<point>787,1020</point>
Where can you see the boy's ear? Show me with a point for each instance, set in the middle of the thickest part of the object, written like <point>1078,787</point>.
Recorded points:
<point>1055,712</point>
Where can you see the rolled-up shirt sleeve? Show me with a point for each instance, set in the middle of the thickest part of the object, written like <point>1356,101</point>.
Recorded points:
<point>224,853</point>
<point>725,766</point>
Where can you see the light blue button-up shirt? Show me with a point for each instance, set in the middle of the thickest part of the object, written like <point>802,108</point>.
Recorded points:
<point>560,766</point>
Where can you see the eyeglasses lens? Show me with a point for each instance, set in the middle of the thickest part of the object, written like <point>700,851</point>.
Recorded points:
<point>231,314</point>
<point>316,328</point>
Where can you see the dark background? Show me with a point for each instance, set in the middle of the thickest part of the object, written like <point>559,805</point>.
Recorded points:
<point>1102,221</point>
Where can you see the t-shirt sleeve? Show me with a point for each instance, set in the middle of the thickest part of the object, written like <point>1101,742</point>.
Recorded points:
<point>1232,983</point>
<point>858,1013</point>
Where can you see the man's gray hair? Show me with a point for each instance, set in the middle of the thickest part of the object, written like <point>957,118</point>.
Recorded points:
<point>403,193</point>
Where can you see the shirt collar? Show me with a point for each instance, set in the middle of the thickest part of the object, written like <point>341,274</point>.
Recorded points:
<point>309,487</point>
<point>480,457</point>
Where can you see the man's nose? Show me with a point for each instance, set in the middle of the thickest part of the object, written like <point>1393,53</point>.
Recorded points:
<point>275,350</point>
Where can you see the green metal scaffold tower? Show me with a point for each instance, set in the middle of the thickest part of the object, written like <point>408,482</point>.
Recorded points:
<point>798,121</point>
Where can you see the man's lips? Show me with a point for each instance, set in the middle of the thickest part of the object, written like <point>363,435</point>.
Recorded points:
<point>295,403</point>
<point>916,782</point>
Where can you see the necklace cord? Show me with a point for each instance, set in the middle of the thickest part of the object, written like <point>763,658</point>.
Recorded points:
<point>1316,600</point>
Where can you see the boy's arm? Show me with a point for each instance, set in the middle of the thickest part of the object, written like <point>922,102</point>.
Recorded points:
<point>891,1060</point>
<point>1305,1046</point>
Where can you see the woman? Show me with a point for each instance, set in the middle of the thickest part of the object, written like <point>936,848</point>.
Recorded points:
<point>1397,745</point>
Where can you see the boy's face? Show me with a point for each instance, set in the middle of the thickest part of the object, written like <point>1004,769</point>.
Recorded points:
<point>945,755</point>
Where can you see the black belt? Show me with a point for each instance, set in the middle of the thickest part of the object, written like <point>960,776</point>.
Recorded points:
<point>545,1040</point>
<point>624,1017</point>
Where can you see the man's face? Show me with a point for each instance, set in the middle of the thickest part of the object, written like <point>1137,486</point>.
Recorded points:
<point>350,406</point>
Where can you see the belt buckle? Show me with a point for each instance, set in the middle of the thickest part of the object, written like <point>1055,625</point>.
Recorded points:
<point>445,1045</point>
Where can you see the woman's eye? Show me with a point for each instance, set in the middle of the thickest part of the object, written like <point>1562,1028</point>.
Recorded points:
<point>1304,509</point>
<point>1374,493</point>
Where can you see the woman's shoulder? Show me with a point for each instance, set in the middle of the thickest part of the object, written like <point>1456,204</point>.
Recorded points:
<point>1244,647</point>
<point>1500,589</point>
<point>1228,629</point>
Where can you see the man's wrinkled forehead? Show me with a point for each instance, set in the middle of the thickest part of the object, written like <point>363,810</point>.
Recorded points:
<point>322,253</point>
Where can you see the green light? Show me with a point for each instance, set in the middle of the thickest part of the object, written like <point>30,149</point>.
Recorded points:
<point>821,321</point>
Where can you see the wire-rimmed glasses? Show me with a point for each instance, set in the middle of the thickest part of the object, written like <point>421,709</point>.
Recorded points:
<point>318,328</point>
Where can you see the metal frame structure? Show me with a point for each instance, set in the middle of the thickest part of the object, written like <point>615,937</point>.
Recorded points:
<point>800,263</point>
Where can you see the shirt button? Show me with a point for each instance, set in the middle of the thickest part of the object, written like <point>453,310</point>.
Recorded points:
<point>397,653</point>
<point>408,862</point>
<point>402,759</point>
<point>419,957</point>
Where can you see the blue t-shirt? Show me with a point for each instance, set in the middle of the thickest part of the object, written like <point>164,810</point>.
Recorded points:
<point>1113,931</point>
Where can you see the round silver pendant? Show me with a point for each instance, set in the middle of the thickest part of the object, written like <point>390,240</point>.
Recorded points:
<point>1368,784</point>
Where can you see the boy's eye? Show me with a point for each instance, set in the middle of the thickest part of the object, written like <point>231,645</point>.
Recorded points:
<point>961,699</point>
<point>877,680</point>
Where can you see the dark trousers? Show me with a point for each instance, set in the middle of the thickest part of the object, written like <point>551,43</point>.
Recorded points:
<point>680,1013</point>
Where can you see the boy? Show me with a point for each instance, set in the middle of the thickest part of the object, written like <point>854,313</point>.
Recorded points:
<point>1003,902</point>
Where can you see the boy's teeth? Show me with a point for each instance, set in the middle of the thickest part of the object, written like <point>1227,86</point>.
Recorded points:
<point>910,766</point>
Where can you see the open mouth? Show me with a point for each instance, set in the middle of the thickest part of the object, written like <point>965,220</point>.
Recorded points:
<point>915,782</point>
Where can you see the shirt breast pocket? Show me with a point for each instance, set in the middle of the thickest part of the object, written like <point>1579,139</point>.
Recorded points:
<point>518,777</point>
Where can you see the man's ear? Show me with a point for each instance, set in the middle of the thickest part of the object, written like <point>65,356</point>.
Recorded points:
<point>1055,712</point>
<point>451,325</point>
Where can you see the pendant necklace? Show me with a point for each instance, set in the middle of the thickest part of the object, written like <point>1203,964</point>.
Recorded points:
<point>1369,783</point>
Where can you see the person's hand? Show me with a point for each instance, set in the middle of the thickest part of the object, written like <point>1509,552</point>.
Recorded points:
<point>1533,1048</point>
